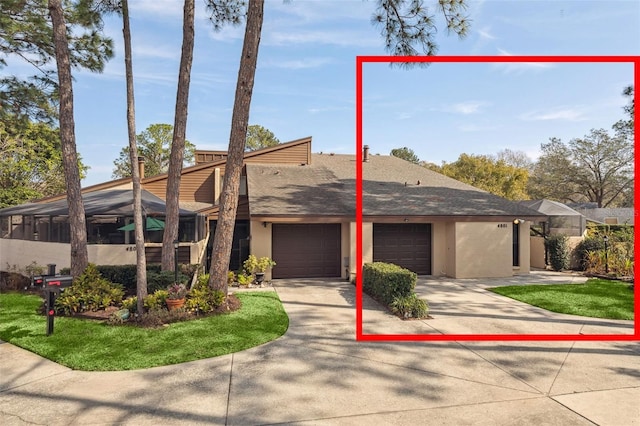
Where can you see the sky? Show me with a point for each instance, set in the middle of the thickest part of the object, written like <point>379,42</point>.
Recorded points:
<point>305,79</point>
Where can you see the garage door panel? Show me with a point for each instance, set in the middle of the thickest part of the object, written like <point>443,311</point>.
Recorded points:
<point>407,245</point>
<point>306,250</point>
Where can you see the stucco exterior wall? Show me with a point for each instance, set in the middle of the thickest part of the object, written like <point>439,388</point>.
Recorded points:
<point>483,250</point>
<point>21,253</point>
<point>572,242</point>
<point>439,249</point>
<point>450,249</point>
<point>345,250</point>
<point>260,241</point>
<point>537,252</point>
<point>525,251</point>
<point>367,246</point>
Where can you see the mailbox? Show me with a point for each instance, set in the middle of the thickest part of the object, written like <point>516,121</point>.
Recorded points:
<point>58,281</point>
<point>37,281</point>
<point>53,285</point>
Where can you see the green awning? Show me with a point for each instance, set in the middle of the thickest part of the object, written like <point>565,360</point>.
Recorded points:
<point>153,224</point>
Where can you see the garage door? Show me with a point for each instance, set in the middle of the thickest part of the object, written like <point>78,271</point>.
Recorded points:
<point>306,251</point>
<point>404,244</point>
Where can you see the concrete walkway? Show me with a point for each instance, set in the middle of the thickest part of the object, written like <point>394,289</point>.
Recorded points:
<point>317,373</point>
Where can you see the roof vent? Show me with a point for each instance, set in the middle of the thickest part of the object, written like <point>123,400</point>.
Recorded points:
<point>365,154</point>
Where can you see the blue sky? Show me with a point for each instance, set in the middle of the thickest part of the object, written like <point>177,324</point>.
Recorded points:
<point>305,81</point>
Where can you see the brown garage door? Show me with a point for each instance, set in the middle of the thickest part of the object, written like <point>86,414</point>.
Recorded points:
<point>306,251</point>
<point>404,244</point>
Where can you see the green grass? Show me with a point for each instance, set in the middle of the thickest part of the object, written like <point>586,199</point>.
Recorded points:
<point>596,298</point>
<point>95,346</point>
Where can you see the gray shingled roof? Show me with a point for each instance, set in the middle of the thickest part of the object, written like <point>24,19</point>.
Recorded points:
<point>391,187</point>
<point>550,207</point>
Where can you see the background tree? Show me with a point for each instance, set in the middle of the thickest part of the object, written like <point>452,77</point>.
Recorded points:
<point>223,237</point>
<point>259,137</point>
<point>178,141</point>
<point>141,257</point>
<point>154,144</point>
<point>596,168</point>
<point>26,34</point>
<point>406,154</point>
<point>551,175</point>
<point>624,128</point>
<point>77,220</point>
<point>36,31</point>
<point>489,174</point>
<point>517,159</point>
<point>30,162</point>
<point>409,28</point>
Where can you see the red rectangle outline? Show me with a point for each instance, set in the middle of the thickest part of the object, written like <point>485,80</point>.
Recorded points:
<point>360,336</point>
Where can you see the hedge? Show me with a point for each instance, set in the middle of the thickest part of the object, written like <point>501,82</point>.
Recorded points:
<point>558,248</point>
<point>126,276</point>
<point>385,281</point>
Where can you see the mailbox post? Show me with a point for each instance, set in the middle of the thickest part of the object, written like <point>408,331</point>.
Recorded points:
<point>53,285</point>
<point>50,303</point>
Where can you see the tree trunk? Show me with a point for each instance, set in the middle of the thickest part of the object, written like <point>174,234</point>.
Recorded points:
<point>77,220</point>
<point>141,259</point>
<point>177,144</point>
<point>223,238</point>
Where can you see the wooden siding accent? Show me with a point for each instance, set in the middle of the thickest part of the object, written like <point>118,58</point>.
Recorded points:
<point>154,254</point>
<point>203,156</point>
<point>195,186</point>
<point>242,213</point>
<point>297,154</point>
<point>196,183</point>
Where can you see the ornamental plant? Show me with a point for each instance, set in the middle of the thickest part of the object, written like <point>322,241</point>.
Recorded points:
<point>176,291</point>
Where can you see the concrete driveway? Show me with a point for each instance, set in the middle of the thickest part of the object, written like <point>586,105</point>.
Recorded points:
<point>318,374</point>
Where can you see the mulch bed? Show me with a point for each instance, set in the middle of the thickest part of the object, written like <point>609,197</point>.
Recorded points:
<point>232,304</point>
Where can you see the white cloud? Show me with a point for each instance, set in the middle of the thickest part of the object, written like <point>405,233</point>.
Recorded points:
<point>297,64</point>
<point>566,114</point>
<point>518,67</point>
<point>334,38</point>
<point>467,107</point>
<point>156,51</point>
<point>485,33</point>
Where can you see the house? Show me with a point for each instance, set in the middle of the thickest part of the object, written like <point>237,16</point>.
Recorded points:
<point>605,215</point>
<point>299,209</point>
<point>560,219</point>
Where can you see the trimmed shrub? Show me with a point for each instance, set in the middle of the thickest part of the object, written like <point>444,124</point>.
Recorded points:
<point>156,300</point>
<point>409,307</point>
<point>386,281</point>
<point>89,292</point>
<point>558,250</point>
<point>589,244</point>
<point>123,274</point>
<point>202,299</point>
<point>131,304</point>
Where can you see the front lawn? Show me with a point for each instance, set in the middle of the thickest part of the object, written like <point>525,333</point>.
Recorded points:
<point>596,298</point>
<point>92,345</point>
